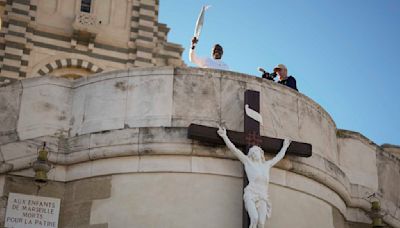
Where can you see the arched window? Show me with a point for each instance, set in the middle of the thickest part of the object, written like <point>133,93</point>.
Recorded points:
<point>86,5</point>
<point>70,68</point>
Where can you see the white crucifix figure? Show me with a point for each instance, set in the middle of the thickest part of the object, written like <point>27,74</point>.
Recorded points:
<point>257,170</point>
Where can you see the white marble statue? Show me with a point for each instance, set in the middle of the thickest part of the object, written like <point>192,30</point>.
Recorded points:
<point>257,170</point>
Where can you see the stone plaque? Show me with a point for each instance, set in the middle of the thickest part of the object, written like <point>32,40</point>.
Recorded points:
<point>31,211</point>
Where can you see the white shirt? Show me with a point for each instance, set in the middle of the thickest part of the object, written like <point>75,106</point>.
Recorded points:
<point>207,62</point>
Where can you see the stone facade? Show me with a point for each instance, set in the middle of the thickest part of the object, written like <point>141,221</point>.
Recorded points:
<point>57,37</point>
<point>77,197</point>
<point>121,157</point>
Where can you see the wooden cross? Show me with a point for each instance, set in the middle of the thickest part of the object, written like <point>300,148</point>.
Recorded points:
<point>250,137</point>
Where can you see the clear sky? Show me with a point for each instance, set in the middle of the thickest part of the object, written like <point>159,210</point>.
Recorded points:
<point>344,54</point>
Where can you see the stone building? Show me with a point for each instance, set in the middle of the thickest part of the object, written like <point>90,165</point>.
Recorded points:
<point>121,156</point>
<point>76,38</point>
<point>118,145</point>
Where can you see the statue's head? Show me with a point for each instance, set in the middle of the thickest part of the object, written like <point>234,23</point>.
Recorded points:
<point>256,154</point>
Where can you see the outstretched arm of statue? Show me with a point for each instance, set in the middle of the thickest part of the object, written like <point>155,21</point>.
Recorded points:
<point>239,154</point>
<point>281,153</point>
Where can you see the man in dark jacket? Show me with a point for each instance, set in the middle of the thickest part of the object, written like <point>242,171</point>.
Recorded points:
<point>284,79</point>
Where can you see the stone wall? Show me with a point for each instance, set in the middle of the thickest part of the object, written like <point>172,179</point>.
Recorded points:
<point>76,197</point>
<point>126,128</point>
<point>55,37</point>
<point>358,154</point>
<point>171,200</point>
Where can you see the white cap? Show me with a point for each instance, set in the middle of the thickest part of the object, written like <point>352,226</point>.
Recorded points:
<point>279,66</point>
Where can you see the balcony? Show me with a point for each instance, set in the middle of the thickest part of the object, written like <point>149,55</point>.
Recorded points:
<point>86,27</point>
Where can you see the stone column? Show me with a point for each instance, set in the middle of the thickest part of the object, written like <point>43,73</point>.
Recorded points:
<point>143,30</point>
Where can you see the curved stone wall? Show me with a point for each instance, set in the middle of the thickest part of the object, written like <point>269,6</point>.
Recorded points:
<point>132,124</point>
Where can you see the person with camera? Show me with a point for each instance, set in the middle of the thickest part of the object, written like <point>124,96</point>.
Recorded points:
<point>281,71</point>
<point>215,62</point>
<point>283,77</point>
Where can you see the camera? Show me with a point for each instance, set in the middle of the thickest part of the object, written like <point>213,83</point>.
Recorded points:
<point>266,75</point>
<point>269,76</point>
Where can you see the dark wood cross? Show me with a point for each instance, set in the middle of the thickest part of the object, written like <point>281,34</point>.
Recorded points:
<point>250,137</point>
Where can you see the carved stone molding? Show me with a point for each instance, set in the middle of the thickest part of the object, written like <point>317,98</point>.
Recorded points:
<point>86,28</point>
<point>86,19</point>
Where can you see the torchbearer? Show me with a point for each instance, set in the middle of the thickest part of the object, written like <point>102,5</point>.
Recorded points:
<point>217,50</point>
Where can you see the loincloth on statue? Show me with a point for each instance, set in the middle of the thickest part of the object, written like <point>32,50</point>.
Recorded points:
<point>257,196</point>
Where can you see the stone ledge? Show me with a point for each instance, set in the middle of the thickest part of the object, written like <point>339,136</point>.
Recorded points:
<point>341,133</point>
<point>46,80</point>
<point>252,81</point>
<point>392,149</point>
<point>142,164</point>
<point>241,77</point>
<point>139,142</point>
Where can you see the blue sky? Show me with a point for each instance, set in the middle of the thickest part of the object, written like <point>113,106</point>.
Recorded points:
<point>345,55</point>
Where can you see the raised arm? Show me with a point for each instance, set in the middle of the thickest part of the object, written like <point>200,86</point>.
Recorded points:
<point>281,153</point>
<point>239,154</point>
<point>193,57</point>
<point>200,62</point>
